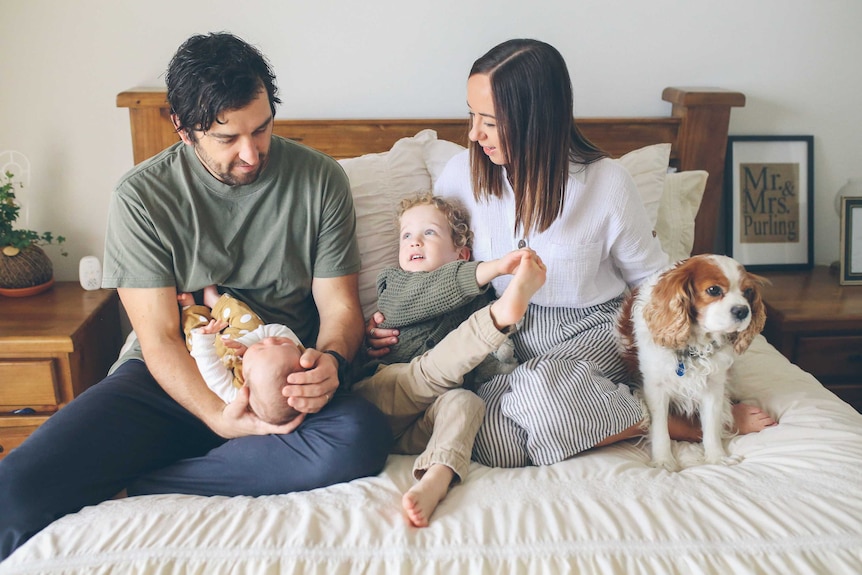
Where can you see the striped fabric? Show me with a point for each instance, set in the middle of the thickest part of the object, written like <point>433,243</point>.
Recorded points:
<point>568,393</point>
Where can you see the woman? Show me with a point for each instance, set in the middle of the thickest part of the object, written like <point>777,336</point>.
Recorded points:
<point>531,178</point>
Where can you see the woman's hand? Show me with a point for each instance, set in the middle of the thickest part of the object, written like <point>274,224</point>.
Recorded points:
<point>378,338</point>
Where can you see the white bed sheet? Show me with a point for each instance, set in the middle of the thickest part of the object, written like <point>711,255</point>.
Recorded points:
<point>792,505</point>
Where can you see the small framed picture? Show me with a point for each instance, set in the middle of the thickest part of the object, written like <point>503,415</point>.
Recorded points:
<point>769,182</point>
<point>851,241</point>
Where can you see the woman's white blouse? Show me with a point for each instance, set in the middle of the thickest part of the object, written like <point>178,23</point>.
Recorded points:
<point>602,241</point>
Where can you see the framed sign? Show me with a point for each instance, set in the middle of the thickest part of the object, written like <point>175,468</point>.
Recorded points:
<point>851,241</point>
<point>769,184</point>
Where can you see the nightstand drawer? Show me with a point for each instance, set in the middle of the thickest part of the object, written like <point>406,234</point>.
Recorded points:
<point>831,356</point>
<point>28,383</point>
<point>14,429</point>
<point>53,346</point>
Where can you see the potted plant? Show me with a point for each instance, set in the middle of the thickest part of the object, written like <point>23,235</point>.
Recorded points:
<point>24,268</point>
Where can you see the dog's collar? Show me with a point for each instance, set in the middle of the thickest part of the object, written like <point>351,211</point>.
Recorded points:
<point>684,356</point>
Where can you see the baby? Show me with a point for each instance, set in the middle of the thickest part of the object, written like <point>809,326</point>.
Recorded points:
<point>247,352</point>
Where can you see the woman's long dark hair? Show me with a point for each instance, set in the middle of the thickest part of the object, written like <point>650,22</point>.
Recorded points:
<point>533,106</point>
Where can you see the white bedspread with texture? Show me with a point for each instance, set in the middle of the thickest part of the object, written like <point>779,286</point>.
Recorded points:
<point>792,505</point>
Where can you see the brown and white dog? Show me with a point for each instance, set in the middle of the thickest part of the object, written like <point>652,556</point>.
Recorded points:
<point>681,330</point>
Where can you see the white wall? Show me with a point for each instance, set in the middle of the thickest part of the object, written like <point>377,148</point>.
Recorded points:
<point>63,64</point>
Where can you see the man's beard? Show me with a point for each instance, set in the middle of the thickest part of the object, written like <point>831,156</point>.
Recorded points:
<point>227,176</point>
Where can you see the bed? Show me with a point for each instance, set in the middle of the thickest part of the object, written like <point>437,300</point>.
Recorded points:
<point>791,505</point>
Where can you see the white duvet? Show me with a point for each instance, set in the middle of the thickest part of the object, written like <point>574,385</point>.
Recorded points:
<point>792,505</point>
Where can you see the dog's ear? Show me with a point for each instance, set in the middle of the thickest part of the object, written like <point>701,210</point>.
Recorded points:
<point>668,312</point>
<point>751,284</point>
<point>625,331</point>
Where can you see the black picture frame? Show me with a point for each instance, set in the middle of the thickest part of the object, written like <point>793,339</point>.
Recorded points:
<point>851,241</point>
<point>769,191</point>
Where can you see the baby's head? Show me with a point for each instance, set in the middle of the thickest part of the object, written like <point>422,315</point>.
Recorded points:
<point>265,367</point>
<point>433,231</point>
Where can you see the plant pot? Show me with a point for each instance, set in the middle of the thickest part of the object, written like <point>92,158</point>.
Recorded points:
<point>28,268</point>
<point>27,291</point>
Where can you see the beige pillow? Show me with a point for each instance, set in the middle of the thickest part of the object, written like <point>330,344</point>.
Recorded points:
<point>379,182</point>
<point>679,204</point>
<point>648,167</point>
<point>438,153</point>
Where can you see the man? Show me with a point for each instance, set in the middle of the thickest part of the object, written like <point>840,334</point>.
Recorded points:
<point>270,222</point>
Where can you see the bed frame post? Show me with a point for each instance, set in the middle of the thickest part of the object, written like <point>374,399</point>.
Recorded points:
<point>150,118</point>
<point>704,115</point>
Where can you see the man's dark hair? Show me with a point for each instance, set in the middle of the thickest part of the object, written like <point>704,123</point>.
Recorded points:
<point>214,73</point>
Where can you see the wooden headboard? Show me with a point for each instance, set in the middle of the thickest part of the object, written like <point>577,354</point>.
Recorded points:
<point>697,129</point>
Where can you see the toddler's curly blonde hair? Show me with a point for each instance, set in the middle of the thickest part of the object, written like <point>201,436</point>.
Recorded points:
<point>456,215</point>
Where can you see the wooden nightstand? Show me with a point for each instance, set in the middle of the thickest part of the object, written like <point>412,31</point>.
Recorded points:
<point>53,346</point>
<point>817,324</point>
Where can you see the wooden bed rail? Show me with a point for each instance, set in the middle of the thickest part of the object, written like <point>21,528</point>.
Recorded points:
<point>701,144</point>
<point>697,129</point>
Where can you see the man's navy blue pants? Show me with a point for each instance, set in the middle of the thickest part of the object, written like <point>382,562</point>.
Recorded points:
<point>127,433</point>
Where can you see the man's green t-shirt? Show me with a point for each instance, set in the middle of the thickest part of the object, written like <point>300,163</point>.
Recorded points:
<point>171,223</point>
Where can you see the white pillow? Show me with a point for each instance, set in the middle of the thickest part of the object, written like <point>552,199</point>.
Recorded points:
<point>648,167</point>
<point>679,204</point>
<point>379,182</point>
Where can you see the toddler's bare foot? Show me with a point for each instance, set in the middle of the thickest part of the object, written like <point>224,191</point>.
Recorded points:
<point>185,299</point>
<point>512,304</point>
<point>422,499</point>
<point>750,419</point>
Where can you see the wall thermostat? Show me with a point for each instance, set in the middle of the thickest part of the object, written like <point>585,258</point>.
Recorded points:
<point>90,273</point>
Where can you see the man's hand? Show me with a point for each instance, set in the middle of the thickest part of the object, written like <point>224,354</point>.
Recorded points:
<point>238,420</point>
<point>379,339</point>
<point>309,391</point>
<point>154,317</point>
